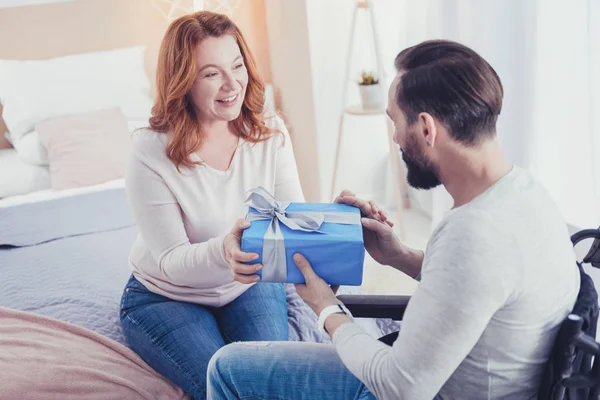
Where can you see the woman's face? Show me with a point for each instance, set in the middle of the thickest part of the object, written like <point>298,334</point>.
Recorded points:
<point>220,86</point>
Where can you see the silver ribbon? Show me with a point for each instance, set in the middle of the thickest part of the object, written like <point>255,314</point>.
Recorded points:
<point>273,252</point>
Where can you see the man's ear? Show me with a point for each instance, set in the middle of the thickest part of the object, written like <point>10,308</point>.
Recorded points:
<point>428,129</point>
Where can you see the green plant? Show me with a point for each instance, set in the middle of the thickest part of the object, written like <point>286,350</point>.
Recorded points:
<point>368,78</point>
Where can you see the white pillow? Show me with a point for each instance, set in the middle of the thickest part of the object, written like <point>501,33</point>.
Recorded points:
<point>33,91</point>
<point>31,150</point>
<point>18,177</point>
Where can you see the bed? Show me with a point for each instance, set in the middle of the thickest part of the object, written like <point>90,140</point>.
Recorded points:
<point>63,256</point>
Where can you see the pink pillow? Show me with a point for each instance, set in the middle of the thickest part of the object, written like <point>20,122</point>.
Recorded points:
<point>86,149</point>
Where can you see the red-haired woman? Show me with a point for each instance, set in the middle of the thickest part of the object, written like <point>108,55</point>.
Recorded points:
<point>208,143</point>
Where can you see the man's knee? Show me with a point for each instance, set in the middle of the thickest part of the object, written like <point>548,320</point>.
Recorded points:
<point>220,360</point>
<point>232,356</point>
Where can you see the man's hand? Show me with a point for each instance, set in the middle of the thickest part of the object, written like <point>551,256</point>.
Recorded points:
<point>368,209</point>
<point>315,292</point>
<point>380,240</point>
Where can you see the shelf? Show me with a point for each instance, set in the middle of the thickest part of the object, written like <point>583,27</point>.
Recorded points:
<point>359,110</point>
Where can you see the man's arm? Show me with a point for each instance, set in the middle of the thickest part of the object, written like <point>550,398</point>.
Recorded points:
<point>466,282</point>
<point>410,262</point>
<point>334,321</point>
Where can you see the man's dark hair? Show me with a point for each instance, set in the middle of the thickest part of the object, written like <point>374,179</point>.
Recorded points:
<point>452,83</point>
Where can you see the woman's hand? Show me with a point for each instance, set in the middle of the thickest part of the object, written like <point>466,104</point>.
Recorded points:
<point>235,257</point>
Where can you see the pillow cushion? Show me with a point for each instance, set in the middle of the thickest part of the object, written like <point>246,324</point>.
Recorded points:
<point>33,91</point>
<point>86,149</point>
<point>18,177</point>
<point>31,150</point>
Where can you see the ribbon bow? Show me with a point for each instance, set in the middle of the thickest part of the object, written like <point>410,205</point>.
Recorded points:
<point>268,208</point>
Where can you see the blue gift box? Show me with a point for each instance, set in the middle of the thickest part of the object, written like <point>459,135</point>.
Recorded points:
<point>336,252</point>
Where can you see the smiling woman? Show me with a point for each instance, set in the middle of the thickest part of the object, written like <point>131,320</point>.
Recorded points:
<point>214,64</point>
<point>208,143</point>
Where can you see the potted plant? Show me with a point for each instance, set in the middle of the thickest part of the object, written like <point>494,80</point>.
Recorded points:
<point>370,91</point>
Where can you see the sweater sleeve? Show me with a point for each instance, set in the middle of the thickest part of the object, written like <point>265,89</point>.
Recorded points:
<point>465,281</point>
<point>158,217</point>
<point>287,181</point>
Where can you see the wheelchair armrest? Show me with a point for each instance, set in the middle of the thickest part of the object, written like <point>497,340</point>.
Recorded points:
<point>375,306</point>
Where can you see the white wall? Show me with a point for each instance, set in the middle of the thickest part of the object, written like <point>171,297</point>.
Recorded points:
<point>510,34</point>
<point>287,31</point>
<point>364,158</point>
<point>402,23</point>
<point>309,72</point>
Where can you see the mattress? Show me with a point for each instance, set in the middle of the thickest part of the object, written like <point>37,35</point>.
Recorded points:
<point>49,194</point>
<point>18,177</point>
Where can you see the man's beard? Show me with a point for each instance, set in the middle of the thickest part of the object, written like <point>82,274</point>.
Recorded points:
<point>421,173</point>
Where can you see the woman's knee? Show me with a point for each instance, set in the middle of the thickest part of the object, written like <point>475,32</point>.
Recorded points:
<point>267,291</point>
<point>273,297</point>
<point>260,314</point>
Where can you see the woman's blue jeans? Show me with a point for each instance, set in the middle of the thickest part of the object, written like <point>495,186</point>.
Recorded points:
<point>178,339</point>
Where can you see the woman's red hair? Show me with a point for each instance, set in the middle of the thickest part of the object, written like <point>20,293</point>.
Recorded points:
<point>173,111</point>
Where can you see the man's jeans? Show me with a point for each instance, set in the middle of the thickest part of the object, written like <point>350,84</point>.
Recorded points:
<point>282,371</point>
<point>178,339</point>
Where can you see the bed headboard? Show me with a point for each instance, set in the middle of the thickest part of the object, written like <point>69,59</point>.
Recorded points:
<point>52,30</point>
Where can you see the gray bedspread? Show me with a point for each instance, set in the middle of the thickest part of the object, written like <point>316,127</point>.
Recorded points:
<point>67,258</point>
